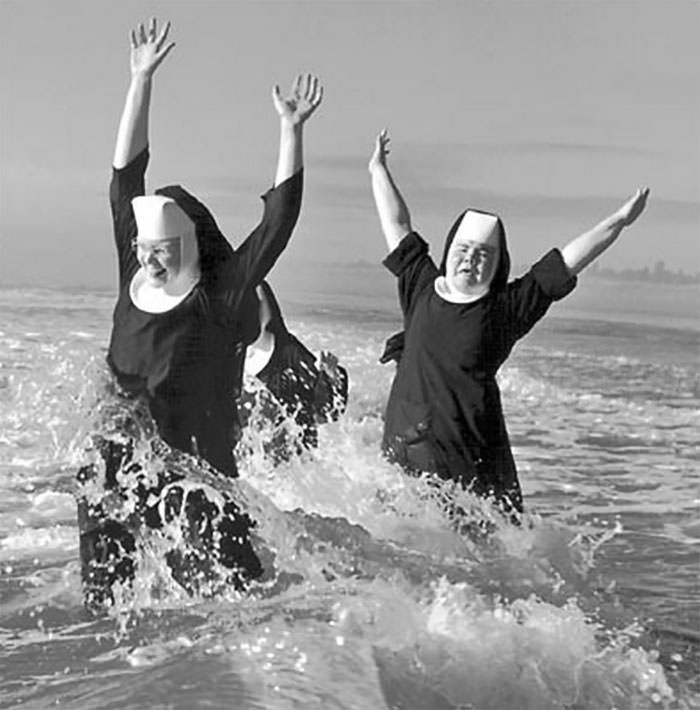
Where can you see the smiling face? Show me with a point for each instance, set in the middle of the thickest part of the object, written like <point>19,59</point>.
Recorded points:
<point>166,242</point>
<point>160,259</point>
<point>473,256</point>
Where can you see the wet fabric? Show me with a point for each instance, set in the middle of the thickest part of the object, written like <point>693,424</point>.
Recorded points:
<point>444,413</point>
<point>187,362</point>
<point>300,390</point>
<point>183,368</point>
<point>135,482</point>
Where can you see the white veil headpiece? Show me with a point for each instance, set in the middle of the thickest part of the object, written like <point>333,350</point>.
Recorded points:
<point>158,218</point>
<point>475,226</point>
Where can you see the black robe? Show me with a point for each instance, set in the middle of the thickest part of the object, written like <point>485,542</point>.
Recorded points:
<point>181,372</point>
<point>187,363</point>
<point>444,413</point>
<point>302,390</point>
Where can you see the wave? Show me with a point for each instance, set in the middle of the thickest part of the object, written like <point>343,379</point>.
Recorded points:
<point>377,594</point>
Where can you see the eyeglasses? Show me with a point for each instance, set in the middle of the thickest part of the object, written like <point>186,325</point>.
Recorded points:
<point>161,249</point>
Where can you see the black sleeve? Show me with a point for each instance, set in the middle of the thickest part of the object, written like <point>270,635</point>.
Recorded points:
<point>325,398</point>
<point>261,249</point>
<point>413,267</point>
<point>529,297</point>
<point>126,183</point>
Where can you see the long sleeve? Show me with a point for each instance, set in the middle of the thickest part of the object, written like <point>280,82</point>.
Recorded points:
<point>126,183</point>
<point>413,267</point>
<point>263,246</point>
<point>529,297</point>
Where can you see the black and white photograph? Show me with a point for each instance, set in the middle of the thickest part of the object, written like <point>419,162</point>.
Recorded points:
<point>349,355</point>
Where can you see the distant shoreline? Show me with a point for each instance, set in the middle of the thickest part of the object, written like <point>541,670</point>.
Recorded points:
<point>678,278</point>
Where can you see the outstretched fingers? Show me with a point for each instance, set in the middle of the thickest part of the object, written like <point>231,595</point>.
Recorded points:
<point>307,88</point>
<point>140,35</point>
<point>162,36</point>
<point>149,47</point>
<point>304,98</point>
<point>318,95</point>
<point>309,85</point>
<point>163,53</point>
<point>314,90</point>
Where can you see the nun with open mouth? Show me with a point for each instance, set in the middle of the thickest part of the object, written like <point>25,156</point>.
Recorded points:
<point>461,320</point>
<point>185,312</point>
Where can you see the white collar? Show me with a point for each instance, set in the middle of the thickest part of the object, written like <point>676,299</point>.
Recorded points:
<point>442,289</point>
<point>154,299</point>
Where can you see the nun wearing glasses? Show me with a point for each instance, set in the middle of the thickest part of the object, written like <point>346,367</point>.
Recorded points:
<point>185,312</point>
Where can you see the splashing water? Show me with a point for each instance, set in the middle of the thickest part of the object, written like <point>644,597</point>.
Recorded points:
<point>374,595</point>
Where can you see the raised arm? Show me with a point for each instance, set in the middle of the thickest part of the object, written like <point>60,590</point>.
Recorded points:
<point>148,50</point>
<point>294,110</point>
<point>582,250</point>
<point>394,216</point>
<point>262,247</point>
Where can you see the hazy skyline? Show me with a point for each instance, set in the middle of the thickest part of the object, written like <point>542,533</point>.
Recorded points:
<point>550,113</point>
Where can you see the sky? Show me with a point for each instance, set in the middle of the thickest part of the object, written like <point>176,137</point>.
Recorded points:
<point>547,112</point>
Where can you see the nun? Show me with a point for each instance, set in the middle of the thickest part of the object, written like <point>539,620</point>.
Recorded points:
<point>186,310</point>
<point>286,387</point>
<point>461,320</point>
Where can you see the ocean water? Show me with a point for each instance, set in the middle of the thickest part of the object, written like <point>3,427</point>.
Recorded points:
<point>373,599</point>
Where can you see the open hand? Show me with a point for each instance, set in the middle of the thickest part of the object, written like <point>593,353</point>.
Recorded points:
<point>148,48</point>
<point>303,99</point>
<point>633,207</point>
<point>381,151</point>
